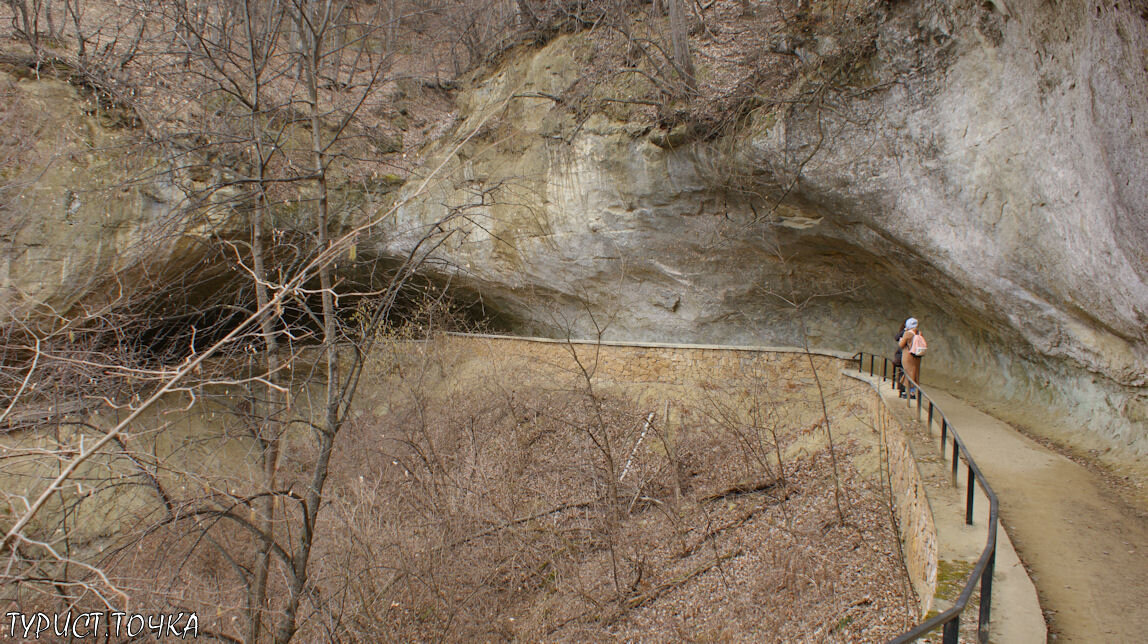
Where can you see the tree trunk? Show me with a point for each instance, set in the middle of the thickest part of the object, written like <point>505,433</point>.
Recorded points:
<point>269,428</point>
<point>314,37</point>
<point>680,40</point>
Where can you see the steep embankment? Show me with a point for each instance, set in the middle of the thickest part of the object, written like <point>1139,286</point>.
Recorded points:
<point>979,167</point>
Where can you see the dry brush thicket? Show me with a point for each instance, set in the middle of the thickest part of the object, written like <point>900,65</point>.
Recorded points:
<point>470,498</point>
<point>473,501</point>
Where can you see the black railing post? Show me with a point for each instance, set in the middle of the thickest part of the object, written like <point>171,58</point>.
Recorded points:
<point>986,599</point>
<point>884,369</point>
<point>956,459</point>
<point>930,415</point>
<point>952,630</point>
<point>944,433</point>
<point>920,396</point>
<point>969,497</point>
<point>872,358</point>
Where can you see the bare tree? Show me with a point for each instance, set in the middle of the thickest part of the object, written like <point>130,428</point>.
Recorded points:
<point>240,56</point>
<point>26,20</point>
<point>679,38</point>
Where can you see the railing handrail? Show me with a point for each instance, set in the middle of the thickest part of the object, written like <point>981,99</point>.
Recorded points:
<point>983,571</point>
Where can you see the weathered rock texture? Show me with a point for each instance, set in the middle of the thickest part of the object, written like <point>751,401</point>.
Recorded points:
<point>982,169</point>
<point>985,173</point>
<point>84,208</point>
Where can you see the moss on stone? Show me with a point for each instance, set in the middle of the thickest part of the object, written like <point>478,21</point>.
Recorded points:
<point>951,578</point>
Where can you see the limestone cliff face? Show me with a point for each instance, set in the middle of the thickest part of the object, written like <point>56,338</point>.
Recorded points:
<point>987,176</point>
<point>84,209</point>
<point>983,170</point>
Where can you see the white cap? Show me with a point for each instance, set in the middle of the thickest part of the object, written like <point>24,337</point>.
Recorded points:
<point>911,323</point>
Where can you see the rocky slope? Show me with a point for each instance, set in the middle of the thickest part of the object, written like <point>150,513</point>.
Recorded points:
<point>983,171</point>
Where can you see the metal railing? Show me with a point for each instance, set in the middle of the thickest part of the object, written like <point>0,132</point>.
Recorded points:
<point>950,620</point>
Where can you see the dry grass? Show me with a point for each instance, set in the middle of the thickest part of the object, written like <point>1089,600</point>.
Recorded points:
<point>479,496</point>
<point>471,503</point>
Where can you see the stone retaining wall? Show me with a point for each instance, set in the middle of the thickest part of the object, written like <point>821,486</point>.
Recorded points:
<point>663,363</point>
<point>911,504</point>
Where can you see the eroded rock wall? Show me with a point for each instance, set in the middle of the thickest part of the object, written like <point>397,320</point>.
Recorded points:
<point>986,175</point>
<point>983,170</point>
<point>86,208</point>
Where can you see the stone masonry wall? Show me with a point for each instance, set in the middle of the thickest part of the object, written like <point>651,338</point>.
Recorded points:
<point>911,502</point>
<point>664,363</point>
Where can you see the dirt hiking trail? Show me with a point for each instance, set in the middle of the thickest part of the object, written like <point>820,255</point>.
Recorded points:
<point>1085,547</point>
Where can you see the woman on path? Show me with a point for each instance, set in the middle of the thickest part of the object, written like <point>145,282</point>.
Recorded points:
<point>912,363</point>
<point>898,381</point>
